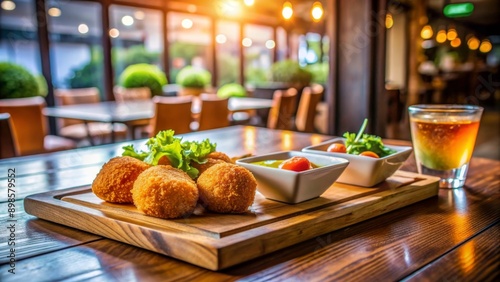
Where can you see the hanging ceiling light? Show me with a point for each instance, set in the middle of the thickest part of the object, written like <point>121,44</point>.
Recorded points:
<point>317,11</point>
<point>389,21</point>
<point>249,2</point>
<point>287,11</point>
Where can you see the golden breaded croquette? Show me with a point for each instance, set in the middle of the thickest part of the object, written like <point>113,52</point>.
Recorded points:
<point>166,192</point>
<point>203,167</point>
<point>164,161</point>
<point>227,188</point>
<point>116,178</point>
<point>220,156</point>
<point>212,159</point>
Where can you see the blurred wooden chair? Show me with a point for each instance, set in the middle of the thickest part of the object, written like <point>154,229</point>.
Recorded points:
<point>306,112</point>
<point>30,127</point>
<point>123,95</point>
<point>214,112</point>
<point>283,110</point>
<point>171,113</point>
<point>8,148</point>
<point>79,130</point>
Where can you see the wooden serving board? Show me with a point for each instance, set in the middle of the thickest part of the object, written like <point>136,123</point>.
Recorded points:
<point>217,241</point>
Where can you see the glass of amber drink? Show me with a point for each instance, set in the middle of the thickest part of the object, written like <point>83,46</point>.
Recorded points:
<point>443,139</point>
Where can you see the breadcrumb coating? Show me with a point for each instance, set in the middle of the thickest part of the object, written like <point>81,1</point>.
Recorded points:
<point>116,178</point>
<point>203,167</point>
<point>227,188</point>
<point>166,192</point>
<point>220,156</point>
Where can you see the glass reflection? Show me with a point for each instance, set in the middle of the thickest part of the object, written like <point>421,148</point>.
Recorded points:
<point>18,35</point>
<point>467,257</point>
<point>249,140</point>
<point>315,139</point>
<point>286,141</point>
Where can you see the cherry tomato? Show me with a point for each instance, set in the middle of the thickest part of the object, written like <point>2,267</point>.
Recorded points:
<point>337,148</point>
<point>369,154</point>
<point>296,164</point>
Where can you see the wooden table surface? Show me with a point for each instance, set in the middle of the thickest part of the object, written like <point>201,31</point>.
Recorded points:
<point>452,237</point>
<point>110,111</point>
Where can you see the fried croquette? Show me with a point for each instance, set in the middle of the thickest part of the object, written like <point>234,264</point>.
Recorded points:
<point>116,178</point>
<point>166,192</point>
<point>203,167</point>
<point>220,156</point>
<point>164,161</point>
<point>227,188</point>
<point>212,159</point>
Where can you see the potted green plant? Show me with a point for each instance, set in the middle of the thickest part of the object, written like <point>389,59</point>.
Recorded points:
<point>17,82</point>
<point>231,90</point>
<point>193,81</point>
<point>144,75</point>
<point>283,75</point>
<point>291,73</point>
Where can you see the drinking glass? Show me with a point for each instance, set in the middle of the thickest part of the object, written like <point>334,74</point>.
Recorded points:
<point>443,139</point>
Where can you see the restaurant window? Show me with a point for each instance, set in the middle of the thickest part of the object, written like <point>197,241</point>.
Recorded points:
<point>189,38</point>
<point>228,48</point>
<point>282,44</point>
<point>136,37</point>
<point>18,35</point>
<point>75,37</point>
<point>259,43</point>
<point>313,54</point>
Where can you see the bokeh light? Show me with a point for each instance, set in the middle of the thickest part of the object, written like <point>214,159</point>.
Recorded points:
<point>221,38</point>
<point>485,46</point>
<point>83,28</point>
<point>270,44</point>
<point>247,42</point>
<point>187,23</point>
<point>287,11</point>
<point>114,33</point>
<point>127,20</point>
<point>54,12</point>
<point>441,36</point>
<point>389,22</point>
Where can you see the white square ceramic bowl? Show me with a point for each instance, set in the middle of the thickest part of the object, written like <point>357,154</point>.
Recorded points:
<point>290,186</point>
<point>364,171</point>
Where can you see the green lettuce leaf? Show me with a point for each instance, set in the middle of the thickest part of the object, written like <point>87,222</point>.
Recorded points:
<point>180,153</point>
<point>358,143</point>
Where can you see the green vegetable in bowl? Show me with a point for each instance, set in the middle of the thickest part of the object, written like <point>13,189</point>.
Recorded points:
<point>359,143</point>
<point>180,153</point>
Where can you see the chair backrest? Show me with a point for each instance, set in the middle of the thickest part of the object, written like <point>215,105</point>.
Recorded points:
<point>306,112</point>
<point>74,96</point>
<point>214,112</point>
<point>284,105</point>
<point>172,113</point>
<point>8,147</point>
<point>123,94</point>
<point>28,123</point>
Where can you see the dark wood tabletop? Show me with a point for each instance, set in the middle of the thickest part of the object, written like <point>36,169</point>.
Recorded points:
<point>451,237</point>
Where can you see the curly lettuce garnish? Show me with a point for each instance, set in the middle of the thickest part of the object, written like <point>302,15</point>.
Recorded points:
<point>358,143</point>
<point>180,153</point>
